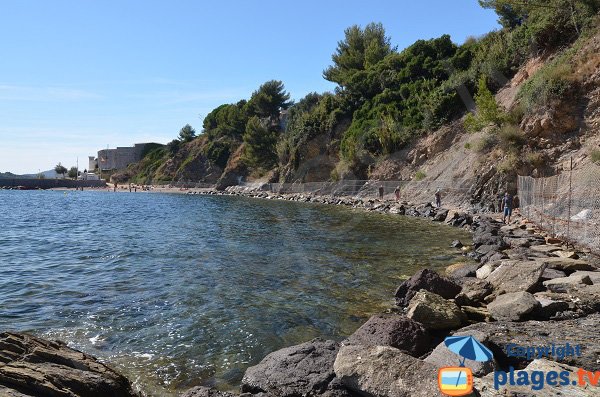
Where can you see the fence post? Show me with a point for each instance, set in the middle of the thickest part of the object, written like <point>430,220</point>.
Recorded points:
<point>570,195</point>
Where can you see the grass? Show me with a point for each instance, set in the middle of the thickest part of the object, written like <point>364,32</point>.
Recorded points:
<point>595,156</point>
<point>485,144</point>
<point>511,138</point>
<point>420,175</point>
<point>468,145</point>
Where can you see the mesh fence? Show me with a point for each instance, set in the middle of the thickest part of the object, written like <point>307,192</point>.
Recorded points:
<point>566,205</point>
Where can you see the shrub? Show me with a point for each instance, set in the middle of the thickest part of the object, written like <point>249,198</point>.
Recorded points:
<point>485,144</point>
<point>420,175</point>
<point>595,155</point>
<point>550,82</point>
<point>468,145</point>
<point>535,159</point>
<point>511,138</point>
<point>509,165</point>
<point>488,111</point>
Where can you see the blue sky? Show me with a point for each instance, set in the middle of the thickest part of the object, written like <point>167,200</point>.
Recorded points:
<point>78,75</point>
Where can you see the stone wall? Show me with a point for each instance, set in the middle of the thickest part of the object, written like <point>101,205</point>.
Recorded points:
<point>49,183</point>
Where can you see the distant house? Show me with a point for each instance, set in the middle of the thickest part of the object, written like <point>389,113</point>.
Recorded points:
<point>119,158</point>
<point>88,176</point>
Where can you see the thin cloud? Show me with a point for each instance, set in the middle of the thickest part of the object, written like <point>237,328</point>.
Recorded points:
<point>10,92</point>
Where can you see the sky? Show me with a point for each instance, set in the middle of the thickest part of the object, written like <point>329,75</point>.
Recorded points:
<point>77,76</point>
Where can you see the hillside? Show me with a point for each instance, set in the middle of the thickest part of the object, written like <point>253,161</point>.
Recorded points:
<point>520,100</point>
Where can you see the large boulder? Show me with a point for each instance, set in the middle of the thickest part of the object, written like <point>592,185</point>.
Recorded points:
<point>567,265</point>
<point>581,331</point>
<point>514,276</point>
<point>31,366</point>
<point>392,330</point>
<point>384,371</point>
<point>434,312</point>
<point>514,306</point>
<point>305,369</point>
<point>428,280</point>
<point>565,284</point>
<point>462,269</point>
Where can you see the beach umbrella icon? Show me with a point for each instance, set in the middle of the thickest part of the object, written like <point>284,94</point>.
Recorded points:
<point>468,348</point>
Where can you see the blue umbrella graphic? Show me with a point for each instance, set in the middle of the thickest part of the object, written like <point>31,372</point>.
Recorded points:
<point>468,348</point>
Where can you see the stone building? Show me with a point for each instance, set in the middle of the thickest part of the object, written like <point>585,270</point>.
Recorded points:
<point>119,158</point>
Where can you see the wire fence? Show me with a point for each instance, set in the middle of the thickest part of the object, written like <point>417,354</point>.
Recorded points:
<point>565,205</point>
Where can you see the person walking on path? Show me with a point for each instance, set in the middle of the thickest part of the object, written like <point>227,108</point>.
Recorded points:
<point>507,203</point>
<point>381,192</point>
<point>438,198</point>
<point>397,193</point>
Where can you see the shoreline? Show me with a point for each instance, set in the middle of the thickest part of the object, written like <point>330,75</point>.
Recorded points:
<point>562,295</point>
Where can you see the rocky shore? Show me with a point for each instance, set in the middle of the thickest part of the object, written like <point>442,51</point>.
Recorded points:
<point>519,286</point>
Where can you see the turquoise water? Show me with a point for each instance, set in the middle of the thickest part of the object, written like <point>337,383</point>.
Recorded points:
<point>176,290</point>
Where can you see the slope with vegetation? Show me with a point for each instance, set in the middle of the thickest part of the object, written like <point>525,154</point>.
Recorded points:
<point>512,101</point>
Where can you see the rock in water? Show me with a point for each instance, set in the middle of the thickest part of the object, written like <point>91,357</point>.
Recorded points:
<point>392,330</point>
<point>434,312</point>
<point>428,280</point>
<point>305,369</point>
<point>31,366</point>
<point>513,306</point>
<point>385,371</point>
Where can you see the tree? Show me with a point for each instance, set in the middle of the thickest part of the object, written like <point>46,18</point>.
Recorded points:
<point>488,110</point>
<point>72,173</point>
<point>359,50</point>
<point>173,146</point>
<point>269,100</point>
<point>187,133</point>
<point>60,169</point>
<point>260,144</point>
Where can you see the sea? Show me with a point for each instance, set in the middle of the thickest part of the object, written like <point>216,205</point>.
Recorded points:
<point>176,290</point>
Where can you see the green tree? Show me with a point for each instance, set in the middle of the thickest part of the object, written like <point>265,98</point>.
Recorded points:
<point>359,50</point>
<point>487,112</point>
<point>60,169</point>
<point>269,100</point>
<point>72,172</point>
<point>187,133</point>
<point>173,147</point>
<point>260,143</point>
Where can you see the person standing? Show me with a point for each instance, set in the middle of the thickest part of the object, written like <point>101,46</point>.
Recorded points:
<point>381,192</point>
<point>507,203</point>
<point>438,198</point>
<point>397,193</point>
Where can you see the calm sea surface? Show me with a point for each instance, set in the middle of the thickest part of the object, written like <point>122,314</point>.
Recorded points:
<point>176,291</point>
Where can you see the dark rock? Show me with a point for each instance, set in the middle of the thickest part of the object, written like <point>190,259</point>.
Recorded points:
<point>514,306</point>
<point>456,244</point>
<point>428,280</point>
<point>548,308</point>
<point>473,292</point>
<point>460,270</point>
<point>392,330</point>
<point>581,331</point>
<point>305,369</point>
<point>550,274</point>
<point>493,256</point>
<point>202,391</point>
<point>440,216</point>
<point>33,366</point>
<point>384,371</point>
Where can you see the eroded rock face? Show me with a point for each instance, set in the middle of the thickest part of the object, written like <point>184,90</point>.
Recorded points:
<point>392,330</point>
<point>428,280</point>
<point>385,371</point>
<point>31,366</point>
<point>305,369</point>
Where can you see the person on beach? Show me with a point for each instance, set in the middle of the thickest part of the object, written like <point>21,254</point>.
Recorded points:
<point>381,192</point>
<point>438,198</point>
<point>507,203</point>
<point>397,193</point>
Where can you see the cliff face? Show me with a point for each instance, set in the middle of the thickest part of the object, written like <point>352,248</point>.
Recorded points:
<point>552,113</point>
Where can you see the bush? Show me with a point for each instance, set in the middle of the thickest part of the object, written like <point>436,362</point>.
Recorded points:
<point>595,156</point>
<point>509,165</point>
<point>420,175</point>
<point>511,138</point>
<point>550,82</point>
<point>536,160</point>
<point>488,111</point>
<point>468,145</point>
<point>485,144</point>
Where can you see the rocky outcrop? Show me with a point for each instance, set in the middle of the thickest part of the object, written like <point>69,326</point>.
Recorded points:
<point>385,371</point>
<point>515,276</point>
<point>434,312</point>
<point>34,367</point>
<point>305,369</point>
<point>428,280</point>
<point>392,330</point>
